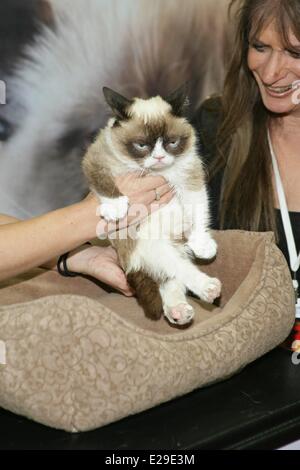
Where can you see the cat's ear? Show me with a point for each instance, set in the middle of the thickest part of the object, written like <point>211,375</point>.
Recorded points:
<point>45,12</point>
<point>179,100</point>
<point>118,103</point>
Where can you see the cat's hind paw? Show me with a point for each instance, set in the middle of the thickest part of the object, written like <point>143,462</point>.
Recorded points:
<point>180,314</point>
<point>211,289</point>
<point>114,209</point>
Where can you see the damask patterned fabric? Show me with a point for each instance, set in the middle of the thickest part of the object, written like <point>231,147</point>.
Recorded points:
<point>79,356</point>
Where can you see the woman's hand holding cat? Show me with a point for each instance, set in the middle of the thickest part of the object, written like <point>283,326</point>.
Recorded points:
<point>140,195</point>
<point>102,262</point>
<point>142,188</point>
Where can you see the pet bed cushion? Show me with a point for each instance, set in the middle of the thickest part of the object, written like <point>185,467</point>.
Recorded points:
<point>79,357</point>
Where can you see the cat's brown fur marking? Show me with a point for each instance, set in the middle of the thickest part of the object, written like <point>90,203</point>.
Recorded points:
<point>135,130</point>
<point>148,294</point>
<point>98,175</point>
<point>195,177</point>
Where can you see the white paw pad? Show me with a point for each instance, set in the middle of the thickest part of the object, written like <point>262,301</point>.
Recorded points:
<point>181,314</point>
<point>211,290</point>
<point>203,248</point>
<point>115,209</point>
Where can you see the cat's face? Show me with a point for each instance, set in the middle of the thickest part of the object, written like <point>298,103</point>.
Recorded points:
<point>152,133</point>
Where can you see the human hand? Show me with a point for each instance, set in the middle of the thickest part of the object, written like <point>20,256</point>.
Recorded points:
<point>101,263</point>
<point>141,191</point>
<point>141,188</point>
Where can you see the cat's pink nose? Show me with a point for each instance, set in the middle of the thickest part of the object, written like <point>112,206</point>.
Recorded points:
<point>159,158</point>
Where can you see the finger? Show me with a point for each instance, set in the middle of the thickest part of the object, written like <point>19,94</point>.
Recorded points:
<point>129,294</point>
<point>140,172</point>
<point>131,182</point>
<point>140,211</point>
<point>116,278</point>
<point>164,200</point>
<point>126,291</point>
<point>160,192</point>
<point>136,213</point>
<point>124,287</point>
<point>167,197</point>
<point>150,196</point>
<point>129,291</point>
<point>143,211</point>
<point>150,182</point>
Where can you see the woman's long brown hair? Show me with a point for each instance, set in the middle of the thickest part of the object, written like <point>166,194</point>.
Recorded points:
<point>247,199</point>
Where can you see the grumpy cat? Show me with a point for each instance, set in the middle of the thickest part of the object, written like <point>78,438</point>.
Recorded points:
<point>154,135</point>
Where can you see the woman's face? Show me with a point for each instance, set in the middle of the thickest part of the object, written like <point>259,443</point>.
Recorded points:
<point>276,71</point>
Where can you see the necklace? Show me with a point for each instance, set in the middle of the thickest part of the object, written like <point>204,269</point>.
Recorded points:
<point>293,255</point>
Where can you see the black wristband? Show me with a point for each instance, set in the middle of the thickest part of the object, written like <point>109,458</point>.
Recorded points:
<point>63,259</point>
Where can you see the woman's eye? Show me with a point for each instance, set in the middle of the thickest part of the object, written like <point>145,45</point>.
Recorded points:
<point>294,54</point>
<point>140,146</point>
<point>258,47</point>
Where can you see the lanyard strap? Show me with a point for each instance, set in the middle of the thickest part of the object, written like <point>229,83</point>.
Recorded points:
<point>294,257</point>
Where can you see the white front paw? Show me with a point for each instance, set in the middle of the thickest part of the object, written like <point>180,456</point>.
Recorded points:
<point>203,247</point>
<point>114,209</point>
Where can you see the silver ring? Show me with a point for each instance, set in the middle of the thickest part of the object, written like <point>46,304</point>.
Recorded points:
<point>157,195</point>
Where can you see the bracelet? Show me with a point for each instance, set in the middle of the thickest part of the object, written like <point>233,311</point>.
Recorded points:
<point>63,259</point>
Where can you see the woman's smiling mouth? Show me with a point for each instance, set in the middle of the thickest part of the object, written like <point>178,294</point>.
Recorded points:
<point>282,90</point>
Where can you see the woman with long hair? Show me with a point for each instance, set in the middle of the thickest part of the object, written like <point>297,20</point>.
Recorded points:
<point>253,129</point>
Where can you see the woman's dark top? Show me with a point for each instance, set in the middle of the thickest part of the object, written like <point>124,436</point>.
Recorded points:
<point>206,121</point>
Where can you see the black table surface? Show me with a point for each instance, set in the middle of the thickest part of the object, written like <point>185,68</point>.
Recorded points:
<point>259,408</point>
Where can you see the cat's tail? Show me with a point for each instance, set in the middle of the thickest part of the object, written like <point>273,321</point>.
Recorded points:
<point>147,292</point>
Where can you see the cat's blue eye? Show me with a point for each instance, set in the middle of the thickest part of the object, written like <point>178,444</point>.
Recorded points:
<point>140,146</point>
<point>174,143</point>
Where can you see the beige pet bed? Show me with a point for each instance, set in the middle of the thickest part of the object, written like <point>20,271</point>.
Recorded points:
<point>79,357</point>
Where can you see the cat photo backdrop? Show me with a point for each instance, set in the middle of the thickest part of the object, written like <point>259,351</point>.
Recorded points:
<point>55,57</point>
